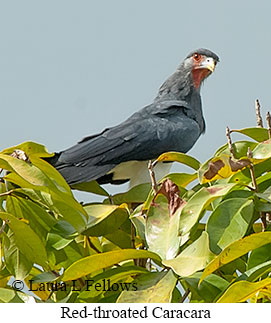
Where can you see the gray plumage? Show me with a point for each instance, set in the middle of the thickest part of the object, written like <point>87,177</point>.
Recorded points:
<point>173,122</point>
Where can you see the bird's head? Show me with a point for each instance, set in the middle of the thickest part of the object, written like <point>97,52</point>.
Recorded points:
<point>189,75</point>
<point>200,64</point>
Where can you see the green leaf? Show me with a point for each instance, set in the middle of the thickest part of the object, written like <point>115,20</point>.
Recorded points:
<point>28,172</point>
<point>181,179</point>
<point>64,229</point>
<point>55,177</point>
<point>221,167</point>
<point>10,296</point>
<point>104,219</point>
<point>209,289</point>
<point>46,276</point>
<point>137,194</point>
<point>240,149</point>
<point>198,203</point>
<point>40,220</point>
<point>68,255</point>
<point>32,173</point>
<point>259,256</point>
<point>139,222</point>
<point>120,238</point>
<point>180,158</point>
<point>162,229</point>
<point>258,134</point>
<point>262,150</point>
<point>242,291</point>
<point>62,205</point>
<point>229,222</point>
<point>17,263</point>
<point>108,278</point>
<point>30,148</point>
<point>91,187</point>
<point>195,257</point>
<point>57,242</point>
<point>151,290</point>
<point>236,250</point>
<point>266,195</point>
<point>176,295</point>
<point>100,261</point>
<point>2,198</point>
<point>26,240</point>
<point>6,295</point>
<point>256,272</point>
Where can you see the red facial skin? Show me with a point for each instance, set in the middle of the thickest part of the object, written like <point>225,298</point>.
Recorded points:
<point>198,73</point>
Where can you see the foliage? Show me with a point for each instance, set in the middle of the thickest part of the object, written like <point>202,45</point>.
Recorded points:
<point>204,235</point>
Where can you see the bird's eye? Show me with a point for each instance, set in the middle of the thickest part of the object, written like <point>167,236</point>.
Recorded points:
<point>196,57</point>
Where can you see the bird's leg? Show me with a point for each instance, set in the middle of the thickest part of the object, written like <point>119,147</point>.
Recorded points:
<point>152,175</point>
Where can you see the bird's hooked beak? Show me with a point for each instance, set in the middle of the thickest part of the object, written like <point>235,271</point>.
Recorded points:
<point>207,63</point>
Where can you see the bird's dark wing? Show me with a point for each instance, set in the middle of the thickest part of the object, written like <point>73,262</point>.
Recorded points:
<point>157,128</point>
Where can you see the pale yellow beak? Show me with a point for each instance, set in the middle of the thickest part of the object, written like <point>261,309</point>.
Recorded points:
<point>208,63</point>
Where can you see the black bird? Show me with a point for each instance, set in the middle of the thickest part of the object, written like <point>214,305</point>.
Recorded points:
<point>173,122</point>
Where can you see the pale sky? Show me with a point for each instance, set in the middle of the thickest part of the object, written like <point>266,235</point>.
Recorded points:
<point>68,69</point>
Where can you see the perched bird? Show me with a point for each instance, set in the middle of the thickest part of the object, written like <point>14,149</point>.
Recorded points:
<point>173,122</point>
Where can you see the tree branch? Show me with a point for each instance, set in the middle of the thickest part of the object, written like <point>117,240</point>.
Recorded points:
<point>3,227</point>
<point>228,135</point>
<point>258,114</point>
<point>268,119</point>
<point>253,177</point>
<point>152,175</point>
<point>185,295</point>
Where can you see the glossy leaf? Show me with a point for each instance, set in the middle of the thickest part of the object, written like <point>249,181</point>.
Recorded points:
<point>27,241</point>
<point>195,257</point>
<point>262,150</point>
<point>256,272</point>
<point>150,290</point>
<point>181,179</point>
<point>33,175</point>
<point>259,256</point>
<point>199,202</point>
<point>120,238</point>
<point>108,278</point>
<point>39,220</point>
<point>91,187</point>
<point>45,276</point>
<point>258,134</point>
<point>100,261</point>
<point>236,250</point>
<point>242,291</point>
<point>30,148</point>
<point>49,171</point>
<point>229,222</point>
<point>2,198</point>
<point>104,219</point>
<point>162,229</point>
<point>8,295</point>
<point>35,152</point>
<point>62,206</point>
<point>240,149</point>
<point>221,167</point>
<point>180,158</point>
<point>136,194</point>
<point>209,289</point>
<point>16,262</point>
